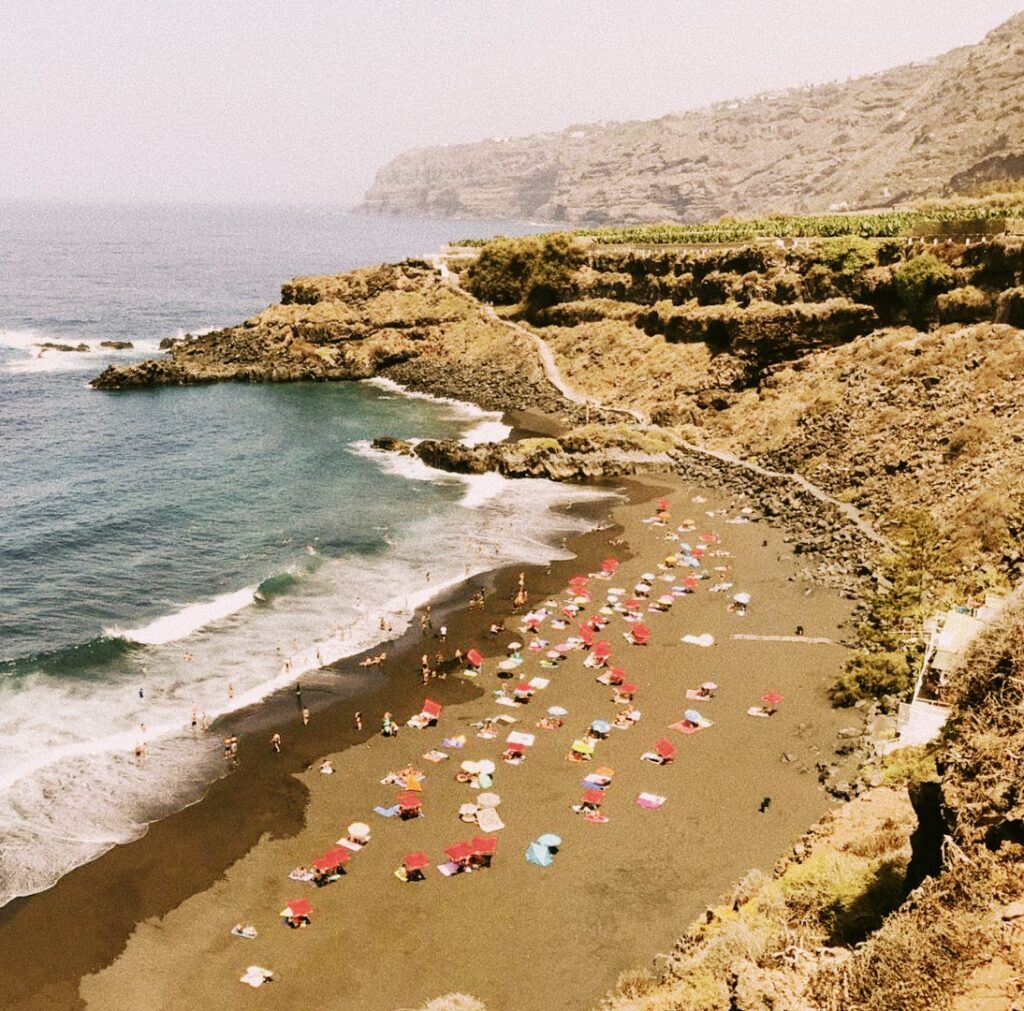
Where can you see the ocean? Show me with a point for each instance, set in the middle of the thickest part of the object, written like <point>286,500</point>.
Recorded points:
<point>178,551</point>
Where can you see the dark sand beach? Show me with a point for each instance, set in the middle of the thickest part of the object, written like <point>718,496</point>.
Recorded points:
<point>148,924</point>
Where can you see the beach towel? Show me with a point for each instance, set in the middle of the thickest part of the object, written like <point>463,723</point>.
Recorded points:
<point>489,821</point>
<point>650,756</point>
<point>519,737</point>
<point>685,728</point>
<point>454,742</point>
<point>249,933</point>
<point>434,755</point>
<point>705,639</point>
<point>650,801</point>
<point>386,812</point>
<point>757,711</point>
<point>695,693</point>
<point>505,700</point>
<point>256,976</point>
<point>487,735</point>
<point>548,664</point>
<point>449,869</point>
<point>596,818</point>
<point>539,683</point>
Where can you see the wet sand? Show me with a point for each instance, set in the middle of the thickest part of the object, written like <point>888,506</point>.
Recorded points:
<point>517,936</point>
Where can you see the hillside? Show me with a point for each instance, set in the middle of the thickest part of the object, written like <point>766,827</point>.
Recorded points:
<point>919,130</point>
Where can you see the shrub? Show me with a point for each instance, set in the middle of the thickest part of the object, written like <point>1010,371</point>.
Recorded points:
<point>847,255</point>
<point>1011,307</point>
<point>872,675</point>
<point>964,305</point>
<point>919,280</point>
<point>910,766</point>
<point>557,259</point>
<point>499,273</point>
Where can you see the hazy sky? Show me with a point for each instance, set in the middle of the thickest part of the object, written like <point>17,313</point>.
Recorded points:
<point>260,100</point>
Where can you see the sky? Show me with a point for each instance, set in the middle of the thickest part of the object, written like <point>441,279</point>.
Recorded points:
<point>262,101</point>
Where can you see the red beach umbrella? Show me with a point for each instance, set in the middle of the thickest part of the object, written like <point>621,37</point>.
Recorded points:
<point>662,504</point>
<point>665,748</point>
<point>616,675</point>
<point>408,800</point>
<point>628,689</point>
<point>431,708</point>
<point>415,861</point>
<point>593,797</point>
<point>484,845</point>
<point>633,604</point>
<point>474,657</point>
<point>459,852</point>
<point>602,649</point>
<point>609,565</point>
<point>299,907</point>
<point>771,698</point>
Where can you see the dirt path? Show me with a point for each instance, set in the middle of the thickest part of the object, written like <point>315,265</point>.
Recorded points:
<point>554,376</point>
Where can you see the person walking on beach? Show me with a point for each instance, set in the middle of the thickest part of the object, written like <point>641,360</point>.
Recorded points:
<point>359,721</point>
<point>275,743</point>
<point>765,804</point>
<point>305,717</point>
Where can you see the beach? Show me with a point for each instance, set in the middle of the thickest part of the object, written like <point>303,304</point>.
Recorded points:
<point>148,925</point>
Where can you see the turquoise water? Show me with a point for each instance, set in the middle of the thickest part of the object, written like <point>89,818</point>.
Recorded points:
<point>157,547</point>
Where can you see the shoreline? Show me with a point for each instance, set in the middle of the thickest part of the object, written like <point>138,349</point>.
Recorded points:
<point>81,925</point>
<point>260,796</point>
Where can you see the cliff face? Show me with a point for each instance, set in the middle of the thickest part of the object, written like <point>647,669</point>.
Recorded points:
<point>919,130</point>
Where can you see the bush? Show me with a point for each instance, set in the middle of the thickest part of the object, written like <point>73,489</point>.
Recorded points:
<point>919,280</point>
<point>965,305</point>
<point>1011,307</point>
<point>557,259</point>
<point>848,255</point>
<point>499,273</point>
<point>872,675</point>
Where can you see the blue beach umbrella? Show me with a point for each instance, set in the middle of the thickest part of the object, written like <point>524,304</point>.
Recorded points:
<point>600,726</point>
<point>539,855</point>
<point>693,716</point>
<point>549,839</point>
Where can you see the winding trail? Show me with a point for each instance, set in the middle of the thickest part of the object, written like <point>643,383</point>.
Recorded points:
<point>554,376</point>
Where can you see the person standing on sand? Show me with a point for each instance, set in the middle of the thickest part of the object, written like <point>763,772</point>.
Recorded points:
<point>275,743</point>
<point>765,804</point>
<point>305,717</point>
<point>359,721</point>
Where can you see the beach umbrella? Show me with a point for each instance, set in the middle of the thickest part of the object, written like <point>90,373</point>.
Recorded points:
<point>741,598</point>
<point>549,839</point>
<point>558,711</point>
<point>690,582</point>
<point>633,604</point>
<point>333,859</point>
<point>486,766</point>
<point>600,726</point>
<point>583,747</point>
<point>474,658</point>
<point>470,766</point>
<point>616,675</point>
<point>465,810</point>
<point>665,748</point>
<point>524,688</point>
<point>709,686</point>
<point>415,861</point>
<point>459,852</point>
<point>539,855</point>
<point>667,599</point>
<point>488,800</point>
<point>358,830</point>
<point>692,716</point>
<point>771,698</point>
<point>484,845</point>
<point>604,770</point>
<point>511,663</point>
<point>580,599</point>
<point>406,800</point>
<point>641,631</point>
<point>297,907</point>
<point>514,645</point>
<point>593,797</point>
<point>708,537</point>
<point>609,565</point>
<point>662,504</point>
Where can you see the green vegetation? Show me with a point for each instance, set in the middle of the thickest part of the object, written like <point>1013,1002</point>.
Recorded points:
<point>883,667</point>
<point>910,766</point>
<point>536,271</point>
<point>919,280</point>
<point>848,255</point>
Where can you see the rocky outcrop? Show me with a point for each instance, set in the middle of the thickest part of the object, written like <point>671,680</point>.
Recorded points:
<point>399,321</point>
<point>117,345</point>
<point>918,130</point>
<point>51,346</point>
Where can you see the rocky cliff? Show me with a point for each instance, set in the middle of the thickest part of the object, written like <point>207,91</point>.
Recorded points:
<point>919,130</point>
